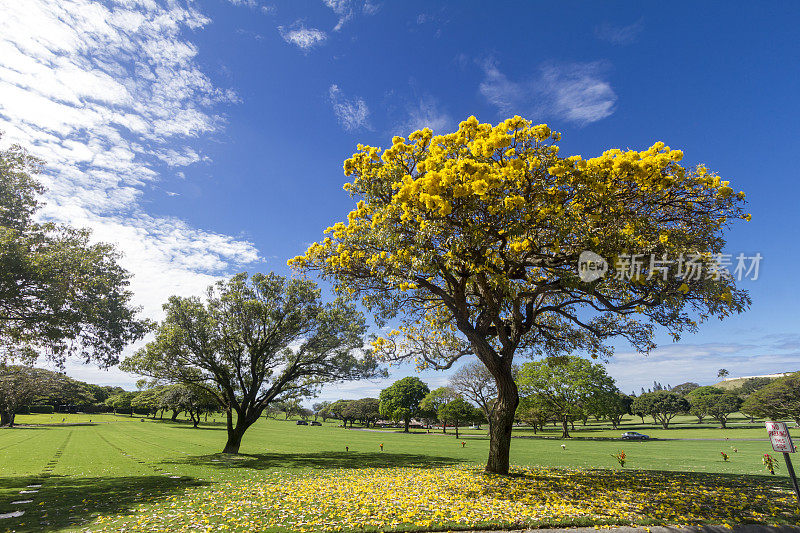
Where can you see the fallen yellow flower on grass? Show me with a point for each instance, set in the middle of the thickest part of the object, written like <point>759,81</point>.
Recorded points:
<point>436,498</point>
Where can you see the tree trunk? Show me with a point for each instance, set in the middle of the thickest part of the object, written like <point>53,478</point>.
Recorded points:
<point>723,421</point>
<point>564,428</point>
<point>502,421</point>
<point>456,426</point>
<point>174,415</point>
<point>235,433</point>
<point>407,423</point>
<point>444,427</point>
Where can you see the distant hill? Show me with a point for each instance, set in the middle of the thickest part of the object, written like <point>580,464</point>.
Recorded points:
<point>735,383</point>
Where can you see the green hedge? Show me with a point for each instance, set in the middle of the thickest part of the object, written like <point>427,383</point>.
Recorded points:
<point>46,409</point>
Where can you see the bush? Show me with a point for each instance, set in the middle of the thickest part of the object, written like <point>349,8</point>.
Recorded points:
<point>42,409</point>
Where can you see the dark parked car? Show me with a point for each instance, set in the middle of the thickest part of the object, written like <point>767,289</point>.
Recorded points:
<point>315,423</point>
<point>634,435</point>
<point>302,423</point>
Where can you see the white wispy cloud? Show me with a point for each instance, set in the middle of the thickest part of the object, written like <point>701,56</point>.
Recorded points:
<point>619,34</point>
<point>427,113</point>
<point>302,37</point>
<point>111,96</point>
<point>245,3</point>
<point>352,113</point>
<point>343,8</point>
<point>370,8</point>
<point>184,158</point>
<point>678,363</point>
<point>576,92</point>
<point>346,10</point>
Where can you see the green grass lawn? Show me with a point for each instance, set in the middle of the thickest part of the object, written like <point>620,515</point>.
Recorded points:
<point>117,466</point>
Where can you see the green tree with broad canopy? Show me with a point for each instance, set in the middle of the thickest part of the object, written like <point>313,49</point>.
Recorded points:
<point>123,402</point>
<point>60,294</point>
<point>66,392</point>
<point>717,403</point>
<point>401,399</point>
<point>20,386</point>
<point>534,411</point>
<point>255,341</point>
<point>780,400</point>
<point>662,405</point>
<point>685,388</point>
<point>566,385</point>
<point>612,405</point>
<point>469,242</point>
<point>458,411</point>
<point>190,399</point>
<point>149,401</point>
<point>320,409</point>
<point>430,404</point>
<point>751,385</point>
<point>340,410</point>
<point>365,410</point>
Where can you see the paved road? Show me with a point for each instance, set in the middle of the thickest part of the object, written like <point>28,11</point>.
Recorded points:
<point>744,528</point>
<point>461,434</point>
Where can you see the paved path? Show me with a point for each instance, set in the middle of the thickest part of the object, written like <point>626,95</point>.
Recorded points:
<point>536,437</point>
<point>744,528</point>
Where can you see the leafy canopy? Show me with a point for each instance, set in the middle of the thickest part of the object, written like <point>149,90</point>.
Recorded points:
<point>406,394</point>
<point>474,236</point>
<point>255,341</point>
<point>662,405</point>
<point>430,404</point>
<point>458,410</point>
<point>60,293</point>
<point>564,386</point>
<point>780,400</point>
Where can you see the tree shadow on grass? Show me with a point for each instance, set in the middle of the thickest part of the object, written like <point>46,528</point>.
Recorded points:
<point>187,424</point>
<point>663,495</point>
<point>73,502</point>
<point>574,437</point>
<point>263,461</point>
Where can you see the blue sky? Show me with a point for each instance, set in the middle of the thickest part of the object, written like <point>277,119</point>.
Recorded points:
<point>207,138</point>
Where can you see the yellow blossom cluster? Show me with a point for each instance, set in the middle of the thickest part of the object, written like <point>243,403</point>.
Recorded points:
<point>486,198</point>
<point>438,498</point>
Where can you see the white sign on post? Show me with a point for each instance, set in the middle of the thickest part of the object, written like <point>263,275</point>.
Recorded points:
<point>779,437</point>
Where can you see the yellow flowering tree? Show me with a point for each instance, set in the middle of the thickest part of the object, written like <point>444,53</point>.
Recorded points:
<point>470,241</point>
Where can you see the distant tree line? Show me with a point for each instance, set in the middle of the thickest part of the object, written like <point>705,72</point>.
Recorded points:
<point>563,391</point>
<point>26,390</point>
